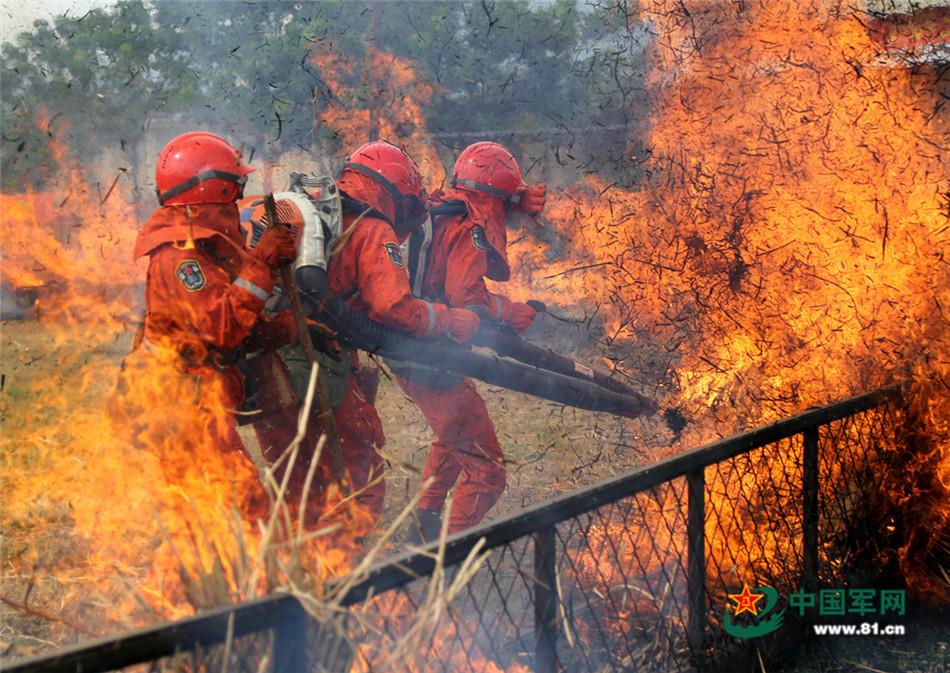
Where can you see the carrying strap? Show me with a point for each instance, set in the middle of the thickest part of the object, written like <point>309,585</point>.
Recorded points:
<point>420,241</point>
<point>420,244</point>
<point>193,181</point>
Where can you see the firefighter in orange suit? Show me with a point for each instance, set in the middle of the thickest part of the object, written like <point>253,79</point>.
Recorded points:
<point>464,250</point>
<point>204,291</point>
<point>383,200</point>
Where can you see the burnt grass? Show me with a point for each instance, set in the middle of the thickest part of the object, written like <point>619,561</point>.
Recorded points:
<point>550,449</point>
<point>924,649</point>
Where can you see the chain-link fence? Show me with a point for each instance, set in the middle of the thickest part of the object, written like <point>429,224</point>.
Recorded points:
<point>632,574</point>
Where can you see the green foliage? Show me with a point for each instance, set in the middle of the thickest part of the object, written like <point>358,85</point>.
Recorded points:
<point>245,69</point>
<point>94,80</point>
<point>500,65</point>
<point>251,63</point>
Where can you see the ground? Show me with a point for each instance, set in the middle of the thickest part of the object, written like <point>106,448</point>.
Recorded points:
<point>925,649</point>
<point>551,450</point>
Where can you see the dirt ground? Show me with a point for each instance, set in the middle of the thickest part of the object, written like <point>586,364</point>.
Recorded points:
<point>551,450</point>
<point>925,649</point>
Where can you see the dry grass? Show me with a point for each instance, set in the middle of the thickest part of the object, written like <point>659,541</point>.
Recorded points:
<point>550,449</point>
<point>44,559</point>
<point>285,563</point>
<point>286,560</point>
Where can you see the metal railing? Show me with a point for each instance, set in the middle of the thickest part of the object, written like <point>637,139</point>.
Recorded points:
<point>630,574</point>
<point>274,626</point>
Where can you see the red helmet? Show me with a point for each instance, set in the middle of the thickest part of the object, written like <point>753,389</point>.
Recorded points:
<point>199,167</point>
<point>396,174</point>
<point>488,167</point>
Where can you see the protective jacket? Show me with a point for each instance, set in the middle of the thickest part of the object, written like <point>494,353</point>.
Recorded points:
<point>204,294</point>
<point>451,256</point>
<point>203,298</point>
<point>369,270</point>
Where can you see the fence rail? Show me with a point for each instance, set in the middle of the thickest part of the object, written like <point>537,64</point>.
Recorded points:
<point>628,574</point>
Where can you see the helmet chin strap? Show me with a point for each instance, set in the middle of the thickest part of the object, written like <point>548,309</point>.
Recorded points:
<point>376,177</point>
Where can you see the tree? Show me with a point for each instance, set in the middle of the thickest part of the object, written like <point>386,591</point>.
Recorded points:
<point>95,80</point>
<point>513,71</point>
<point>255,78</point>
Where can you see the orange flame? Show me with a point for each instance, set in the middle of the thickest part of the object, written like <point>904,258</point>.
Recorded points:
<point>789,243</point>
<point>122,444</point>
<point>383,95</point>
<point>789,246</point>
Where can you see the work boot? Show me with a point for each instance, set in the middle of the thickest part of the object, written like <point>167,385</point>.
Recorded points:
<point>425,527</point>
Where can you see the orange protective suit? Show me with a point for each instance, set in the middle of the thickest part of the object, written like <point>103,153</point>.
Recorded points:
<point>465,250</point>
<point>203,298</point>
<point>366,267</point>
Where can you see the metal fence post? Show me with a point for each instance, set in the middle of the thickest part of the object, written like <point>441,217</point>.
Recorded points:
<point>545,601</point>
<point>810,509</point>
<point>696,564</point>
<point>290,640</point>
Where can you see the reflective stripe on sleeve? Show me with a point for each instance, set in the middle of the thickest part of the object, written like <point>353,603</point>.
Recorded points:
<point>498,307</point>
<point>258,292</point>
<point>430,328</point>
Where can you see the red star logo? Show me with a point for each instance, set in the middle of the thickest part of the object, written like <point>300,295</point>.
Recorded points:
<point>745,602</point>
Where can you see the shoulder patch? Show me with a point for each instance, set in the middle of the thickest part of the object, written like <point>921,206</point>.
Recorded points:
<point>395,254</point>
<point>190,274</point>
<point>479,239</point>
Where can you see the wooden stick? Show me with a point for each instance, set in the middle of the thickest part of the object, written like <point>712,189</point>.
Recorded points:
<point>303,334</point>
